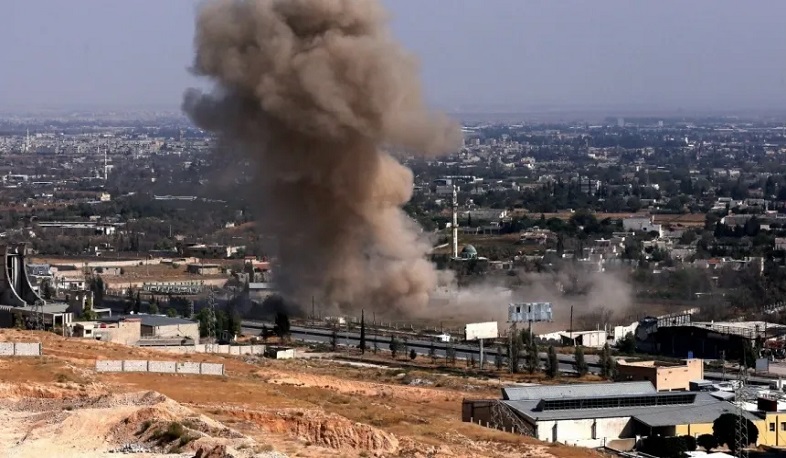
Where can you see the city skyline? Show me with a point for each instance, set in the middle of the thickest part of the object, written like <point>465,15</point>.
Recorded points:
<point>504,55</point>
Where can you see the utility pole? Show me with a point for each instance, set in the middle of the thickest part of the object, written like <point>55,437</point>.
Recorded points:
<point>571,326</point>
<point>211,325</point>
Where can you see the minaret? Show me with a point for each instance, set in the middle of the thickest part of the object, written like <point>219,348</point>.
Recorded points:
<point>106,167</point>
<point>455,222</point>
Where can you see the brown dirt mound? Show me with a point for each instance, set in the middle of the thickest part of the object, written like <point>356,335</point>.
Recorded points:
<point>327,430</point>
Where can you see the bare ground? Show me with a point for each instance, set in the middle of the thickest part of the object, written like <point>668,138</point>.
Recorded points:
<point>57,405</point>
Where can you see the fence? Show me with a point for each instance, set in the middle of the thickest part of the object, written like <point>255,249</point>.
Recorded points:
<point>210,348</point>
<point>159,367</point>
<point>20,349</point>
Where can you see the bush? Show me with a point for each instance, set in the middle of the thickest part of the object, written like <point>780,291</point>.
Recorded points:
<point>668,447</point>
<point>707,442</point>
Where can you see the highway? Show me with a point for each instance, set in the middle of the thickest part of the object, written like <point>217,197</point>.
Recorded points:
<point>422,347</point>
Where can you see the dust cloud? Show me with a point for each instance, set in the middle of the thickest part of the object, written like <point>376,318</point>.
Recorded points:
<point>598,299</point>
<point>313,93</point>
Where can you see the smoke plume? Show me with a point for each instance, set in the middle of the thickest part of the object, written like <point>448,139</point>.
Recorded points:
<point>311,91</point>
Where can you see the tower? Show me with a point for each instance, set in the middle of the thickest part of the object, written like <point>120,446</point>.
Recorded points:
<point>106,167</point>
<point>454,225</point>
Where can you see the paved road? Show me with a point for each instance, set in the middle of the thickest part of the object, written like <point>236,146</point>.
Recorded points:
<point>421,347</point>
<point>463,350</point>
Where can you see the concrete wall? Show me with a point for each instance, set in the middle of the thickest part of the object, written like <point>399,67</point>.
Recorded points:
<point>135,366</point>
<point>216,349</point>
<point>188,368</point>
<point>127,332</point>
<point>211,369</point>
<point>180,330</point>
<point>160,367</point>
<point>585,432</point>
<point>103,365</point>
<point>6,349</point>
<point>167,367</point>
<point>696,430</point>
<point>775,438</point>
<point>20,349</point>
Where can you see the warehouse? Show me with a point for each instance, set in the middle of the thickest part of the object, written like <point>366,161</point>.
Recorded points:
<point>713,340</point>
<point>596,415</point>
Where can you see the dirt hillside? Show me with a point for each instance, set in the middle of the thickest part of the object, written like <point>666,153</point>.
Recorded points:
<point>57,405</point>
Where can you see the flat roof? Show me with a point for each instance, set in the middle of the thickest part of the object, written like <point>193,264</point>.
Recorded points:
<point>539,392</point>
<point>706,409</point>
<point>149,320</point>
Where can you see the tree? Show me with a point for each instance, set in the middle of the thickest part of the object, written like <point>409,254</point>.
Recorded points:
<point>334,339</point>
<point>412,354</point>
<point>450,354</point>
<point>707,442</point>
<point>432,353</point>
<point>19,323</point>
<point>88,315</point>
<point>394,346</point>
<point>533,359</point>
<point>552,363</point>
<point>580,362</point>
<point>748,356</point>
<point>498,358</point>
<point>281,325</point>
<point>628,344</point>
<point>47,291</point>
<point>265,333</point>
<point>724,428</point>
<point>96,285</point>
<point>514,352</point>
<point>137,303</point>
<point>170,312</point>
<point>153,309</point>
<point>606,362</point>
<point>668,447</point>
<point>362,332</point>
<point>206,322</point>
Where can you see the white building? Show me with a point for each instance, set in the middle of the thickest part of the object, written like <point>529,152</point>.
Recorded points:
<point>640,224</point>
<point>599,414</point>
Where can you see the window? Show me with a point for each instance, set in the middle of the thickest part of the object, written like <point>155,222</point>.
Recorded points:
<point>772,427</point>
<point>783,426</point>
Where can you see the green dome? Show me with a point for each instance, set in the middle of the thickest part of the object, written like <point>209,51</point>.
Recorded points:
<point>469,249</point>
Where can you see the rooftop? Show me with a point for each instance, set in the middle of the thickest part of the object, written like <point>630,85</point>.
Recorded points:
<point>538,392</point>
<point>659,409</point>
<point>149,320</point>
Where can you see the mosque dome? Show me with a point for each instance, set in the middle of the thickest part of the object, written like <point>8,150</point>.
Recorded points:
<point>469,252</point>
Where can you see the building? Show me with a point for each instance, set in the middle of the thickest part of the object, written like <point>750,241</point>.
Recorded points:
<point>711,340</point>
<point>640,224</point>
<point>664,376</point>
<point>152,327</point>
<point>204,269</point>
<point>126,331</point>
<point>211,251</point>
<point>596,415</point>
<point>20,302</point>
<point>595,339</point>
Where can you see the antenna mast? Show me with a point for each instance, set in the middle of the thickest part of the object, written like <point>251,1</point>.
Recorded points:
<point>211,321</point>
<point>454,224</point>
<point>741,432</point>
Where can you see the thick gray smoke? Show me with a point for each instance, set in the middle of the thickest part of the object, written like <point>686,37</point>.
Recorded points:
<point>311,91</point>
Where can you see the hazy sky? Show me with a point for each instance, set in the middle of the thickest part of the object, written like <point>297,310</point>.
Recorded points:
<point>486,54</point>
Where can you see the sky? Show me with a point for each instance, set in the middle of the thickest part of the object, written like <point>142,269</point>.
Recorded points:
<point>475,55</point>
